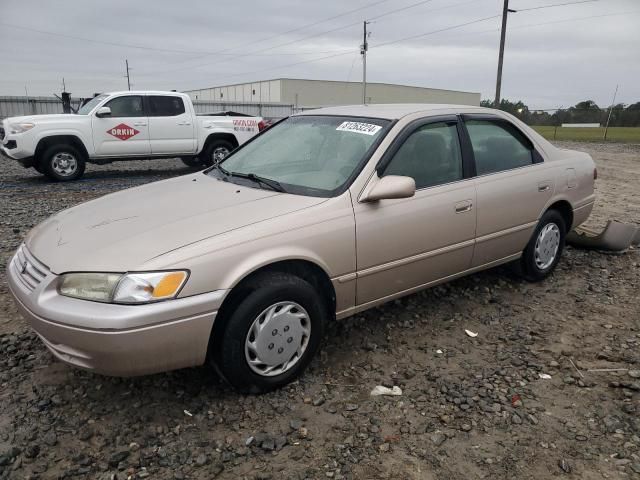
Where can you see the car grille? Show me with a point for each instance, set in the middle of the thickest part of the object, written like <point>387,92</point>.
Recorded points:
<point>29,270</point>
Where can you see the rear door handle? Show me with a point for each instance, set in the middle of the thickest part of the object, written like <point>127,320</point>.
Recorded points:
<point>465,206</point>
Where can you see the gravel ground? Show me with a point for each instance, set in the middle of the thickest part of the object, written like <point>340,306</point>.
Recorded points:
<point>470,408</point>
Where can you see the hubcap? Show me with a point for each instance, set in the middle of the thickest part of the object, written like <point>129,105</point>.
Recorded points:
<point>219,154</point>
<point>64,164</point>
<point>277,339</point>
<point>547,245</point>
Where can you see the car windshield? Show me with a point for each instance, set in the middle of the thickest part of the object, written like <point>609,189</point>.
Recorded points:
<point>306,155</point>
<point>87,107</point>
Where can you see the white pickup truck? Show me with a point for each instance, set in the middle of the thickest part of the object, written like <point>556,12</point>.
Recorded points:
<point>123,126</point>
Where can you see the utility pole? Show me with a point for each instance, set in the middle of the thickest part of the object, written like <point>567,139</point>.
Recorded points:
<point>363,52</point>
<point>126,62</point>
<point>503,33</point>
<point>613,102</point>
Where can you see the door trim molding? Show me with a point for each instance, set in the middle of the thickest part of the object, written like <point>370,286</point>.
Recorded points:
<point>347,312</point>
<point>414,258</point>
<point>508,231</point>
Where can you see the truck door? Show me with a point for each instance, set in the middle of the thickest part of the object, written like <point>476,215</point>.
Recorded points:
<point>171,127</point>
<point>125,131</point>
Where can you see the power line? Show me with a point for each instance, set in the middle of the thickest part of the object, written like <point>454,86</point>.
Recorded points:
<point>374,46</point>
<point>554,5</point>
<point>318,34</point>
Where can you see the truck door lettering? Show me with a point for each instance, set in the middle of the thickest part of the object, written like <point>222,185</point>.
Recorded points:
<point>123,131</point>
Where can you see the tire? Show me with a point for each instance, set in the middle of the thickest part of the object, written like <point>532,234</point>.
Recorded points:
<point>193,162</point>
<point>63,163</point>
<point>38,168</point>
<point>213,150</point>
<point>287,297</point>
<point>539,259</point>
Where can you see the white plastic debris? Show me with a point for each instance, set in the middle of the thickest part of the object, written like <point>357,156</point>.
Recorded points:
<point>471,334</point>
<point>187,412</point>
<point>380,390</point>
<point>544,376</point>
<point>439,351</point>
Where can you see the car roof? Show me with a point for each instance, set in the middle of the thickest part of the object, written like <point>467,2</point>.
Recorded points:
<point>395,111</point>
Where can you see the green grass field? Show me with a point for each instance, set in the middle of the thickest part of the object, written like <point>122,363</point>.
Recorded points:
<point>615,134</point>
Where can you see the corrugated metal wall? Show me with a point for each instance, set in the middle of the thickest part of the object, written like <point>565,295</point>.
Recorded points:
<point>19,106</point>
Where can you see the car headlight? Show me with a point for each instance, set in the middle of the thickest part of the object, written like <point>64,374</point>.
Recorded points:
<point>20,127</point>
<point>129,288</point>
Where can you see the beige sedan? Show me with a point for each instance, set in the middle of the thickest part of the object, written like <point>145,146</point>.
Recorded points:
<point>323,215</point>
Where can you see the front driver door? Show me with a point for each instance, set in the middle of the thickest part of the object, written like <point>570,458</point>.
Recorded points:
<point>123,133</point>
<point>407,243</point>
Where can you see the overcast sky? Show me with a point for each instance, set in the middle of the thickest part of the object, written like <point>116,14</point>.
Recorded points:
<point>192,44</point>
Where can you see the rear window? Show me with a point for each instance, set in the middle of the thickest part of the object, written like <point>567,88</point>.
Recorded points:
<point>165,106</point>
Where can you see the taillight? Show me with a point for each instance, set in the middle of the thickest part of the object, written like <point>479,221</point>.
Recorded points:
<point>261,125</point>
<point>595,173</point>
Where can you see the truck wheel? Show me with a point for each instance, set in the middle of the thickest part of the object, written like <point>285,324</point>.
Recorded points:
<point>215,152</point>
<point>192,162</point>
<point>271,335</point>
<point>63,163</point>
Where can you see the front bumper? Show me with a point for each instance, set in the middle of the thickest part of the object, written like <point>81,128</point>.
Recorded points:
<point>119,340</point>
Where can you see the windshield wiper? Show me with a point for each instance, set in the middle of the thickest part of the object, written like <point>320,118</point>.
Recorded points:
<point>272,184</point>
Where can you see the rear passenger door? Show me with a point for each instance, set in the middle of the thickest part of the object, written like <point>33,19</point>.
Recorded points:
<point>171,127</point>
<point>412,242</point>
<point>513,186</point>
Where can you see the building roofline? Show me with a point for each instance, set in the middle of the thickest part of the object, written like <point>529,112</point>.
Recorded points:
<point>329,81</point>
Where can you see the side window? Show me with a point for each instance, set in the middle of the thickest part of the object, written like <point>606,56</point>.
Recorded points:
<point>129,106</point>
<point>498,146</point>
<point>430,155</point>
<point>165,106</point>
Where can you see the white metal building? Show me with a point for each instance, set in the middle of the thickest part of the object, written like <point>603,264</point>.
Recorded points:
<point>319,93</point>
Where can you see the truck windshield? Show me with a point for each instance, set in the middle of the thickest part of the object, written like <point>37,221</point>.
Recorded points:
<point>307,155</point>
<point>87,107</point>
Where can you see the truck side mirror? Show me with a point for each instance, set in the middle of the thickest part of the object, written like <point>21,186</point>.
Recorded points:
<point>103,112</point>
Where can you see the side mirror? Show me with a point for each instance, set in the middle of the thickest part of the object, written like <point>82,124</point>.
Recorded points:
<point>103,112</point>
<point>389,187</point>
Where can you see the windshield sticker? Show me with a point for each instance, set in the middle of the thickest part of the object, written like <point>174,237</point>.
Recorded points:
<point>358,127</point>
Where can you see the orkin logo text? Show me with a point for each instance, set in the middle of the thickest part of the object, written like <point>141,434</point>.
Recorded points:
<point>123,132</point>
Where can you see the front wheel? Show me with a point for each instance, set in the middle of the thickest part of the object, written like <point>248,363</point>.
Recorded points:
<point>272,334</point>
<point>62,163</point>
<point>543,251</point>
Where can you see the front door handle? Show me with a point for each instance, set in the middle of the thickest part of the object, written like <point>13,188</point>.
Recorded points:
<point>184,123</point>
<point>139,124</point>
<point>465,206</point>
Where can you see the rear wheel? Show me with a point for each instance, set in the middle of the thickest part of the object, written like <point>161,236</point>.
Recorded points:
<point>192,162</point>
<point>62,163</point>
<point>543,251</point>
<point>272,333</point>
<point>215,152</point>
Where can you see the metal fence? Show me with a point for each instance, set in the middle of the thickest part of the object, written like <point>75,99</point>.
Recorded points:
<point>19,106</point>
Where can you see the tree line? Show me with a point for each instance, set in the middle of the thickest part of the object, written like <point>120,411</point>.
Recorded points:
<point>582,112</point>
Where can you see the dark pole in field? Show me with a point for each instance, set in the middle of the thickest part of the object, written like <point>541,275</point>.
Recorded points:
<point>126,62</point>
<point>363,51</point>
<point>505,13</point>
<point>606,127</point>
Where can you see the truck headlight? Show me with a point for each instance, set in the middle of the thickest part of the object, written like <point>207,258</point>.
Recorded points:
<point>20,127</point>
<point>129,288</point>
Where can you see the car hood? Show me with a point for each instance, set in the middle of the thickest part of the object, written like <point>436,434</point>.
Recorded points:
<point>121,231</point>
